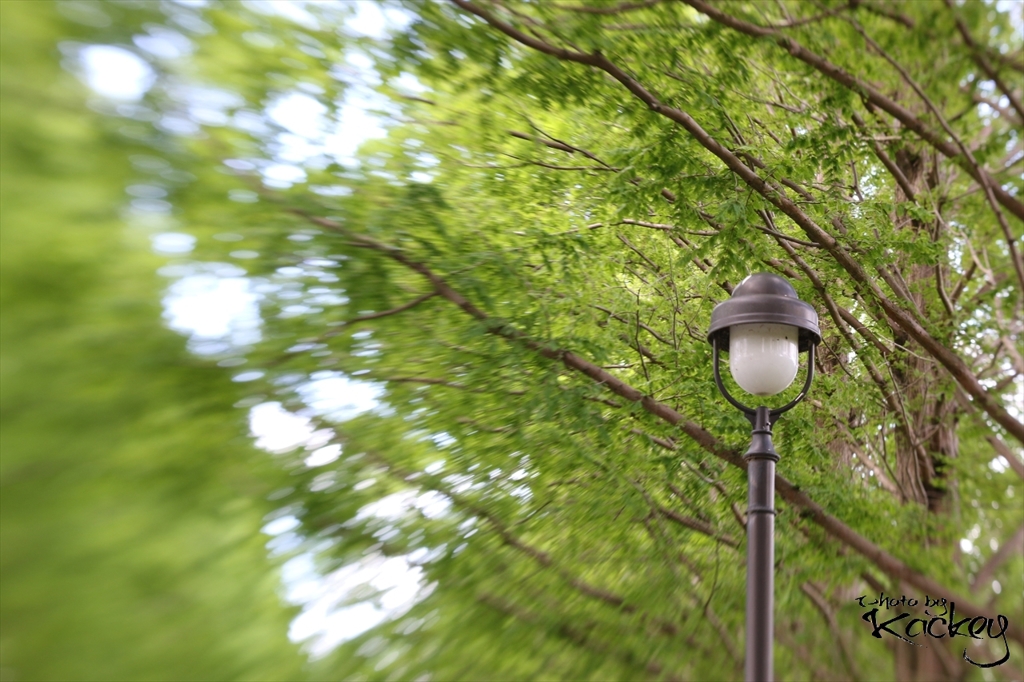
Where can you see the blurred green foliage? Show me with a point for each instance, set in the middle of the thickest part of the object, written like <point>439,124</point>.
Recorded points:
<point>131,499</point>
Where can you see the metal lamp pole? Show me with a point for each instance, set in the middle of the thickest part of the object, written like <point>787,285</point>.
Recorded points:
<point>769,326</point>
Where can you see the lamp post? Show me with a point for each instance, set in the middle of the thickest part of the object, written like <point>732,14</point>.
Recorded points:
<point>763,327</point>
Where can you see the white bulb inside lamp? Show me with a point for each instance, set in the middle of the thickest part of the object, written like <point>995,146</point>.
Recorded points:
<point>763,358</point>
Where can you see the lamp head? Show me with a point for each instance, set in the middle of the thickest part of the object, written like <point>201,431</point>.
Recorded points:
<point>764,326</point>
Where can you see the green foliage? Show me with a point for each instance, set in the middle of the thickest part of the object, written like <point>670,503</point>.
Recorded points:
<point>131,503</point>
<point>557,527</point>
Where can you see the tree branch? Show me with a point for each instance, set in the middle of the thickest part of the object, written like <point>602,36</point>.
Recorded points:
<point>341,326</point>
<point>789,492</point>
<point>643,326</point>
<point>893,169</point>
<point>884,12</point>
<point>385,313</point>
<point>1016,463</point>
<point>572,634</point>
<point>829,614</point>
<point>979,57</point>
<point>697,525</point>
<point>1015,545</point>
<point>614,9</point>
<point>983,178</point>
<point>950,360</point>
<point>559,145</point>
<point>429,381</point>
<point>863,88</point>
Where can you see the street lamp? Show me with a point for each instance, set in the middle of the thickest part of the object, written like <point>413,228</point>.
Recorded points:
<point>763,327</point>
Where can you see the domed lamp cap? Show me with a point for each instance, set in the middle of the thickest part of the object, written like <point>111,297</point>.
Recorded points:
<point>764,298</point>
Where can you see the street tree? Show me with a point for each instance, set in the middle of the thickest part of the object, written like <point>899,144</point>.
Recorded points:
<point>523,265</point>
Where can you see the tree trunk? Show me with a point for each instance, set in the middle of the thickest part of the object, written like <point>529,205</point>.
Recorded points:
<point>932,662</point>
<point>927,440</point>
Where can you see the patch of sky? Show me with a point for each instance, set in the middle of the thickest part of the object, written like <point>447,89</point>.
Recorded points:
<point>373,20</point>
<point>323,456</point>
<point>442,439</point>
<point>295,11</point>
<point>180,13</point>
<point>349,601</point>
<point>277,430</point>
<point>147,206</point>
<point>283,175</point>
<point>178,125</point>
<point>217,306</point>
<point>163,43</point>
<point>212,303</point>
<point>1015,402</point>
<point>396,506</point>
<point>331,191</point>
<point>323,481</point>
<point>523,492</point>
<point>110,71</point>
<point>389,587</point>
<point>299,114</point>
<point>206,105</point>
<point>461,483</point>
<point>338,398</point>
<point>252,122</point>
<point>171,243</point>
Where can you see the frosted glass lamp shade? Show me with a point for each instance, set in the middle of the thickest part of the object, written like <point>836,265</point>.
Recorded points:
<point>763,357</point>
